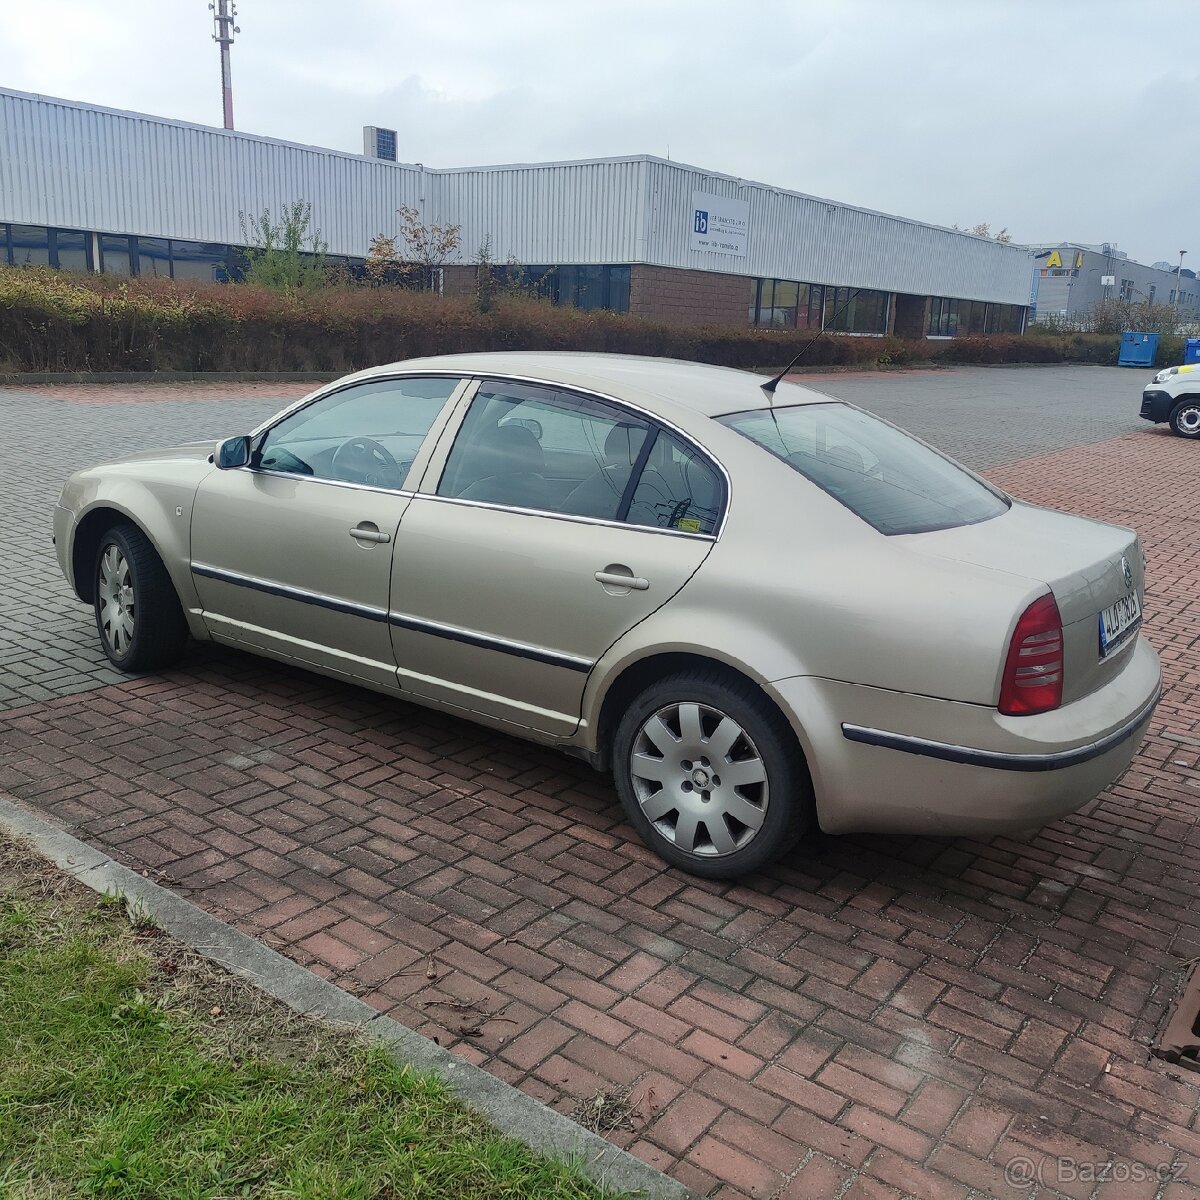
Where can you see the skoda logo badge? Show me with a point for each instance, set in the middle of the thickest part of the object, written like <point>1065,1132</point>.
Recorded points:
<point>1125,570</point>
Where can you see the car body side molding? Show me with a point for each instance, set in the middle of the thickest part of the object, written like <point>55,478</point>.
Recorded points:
<point>455,633</point>
<point>368,612</point>
<point>996,759</point>
<point>303,595</point>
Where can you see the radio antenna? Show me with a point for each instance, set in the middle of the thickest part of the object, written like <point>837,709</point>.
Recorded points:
<point>771,384</point>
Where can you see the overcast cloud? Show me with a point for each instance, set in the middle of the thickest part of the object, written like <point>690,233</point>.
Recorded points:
<point>1060,119</point>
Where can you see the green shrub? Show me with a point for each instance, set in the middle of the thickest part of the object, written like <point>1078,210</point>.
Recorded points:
<point>57,321</point>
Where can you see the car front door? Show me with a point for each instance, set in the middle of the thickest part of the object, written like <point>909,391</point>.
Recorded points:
<point>554,525</point>
<point>291,555</point>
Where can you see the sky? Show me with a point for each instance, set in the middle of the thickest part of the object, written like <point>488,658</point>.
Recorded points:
<point>1059,120</point>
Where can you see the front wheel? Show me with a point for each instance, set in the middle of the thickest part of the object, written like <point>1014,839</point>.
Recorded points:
<point>138,617</point>
<point>710,775</point>
<point>1185,419</point>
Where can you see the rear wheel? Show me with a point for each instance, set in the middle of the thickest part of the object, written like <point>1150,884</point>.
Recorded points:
<point>710,775</point>
<point>138,617</point>
<point>1185,419</point>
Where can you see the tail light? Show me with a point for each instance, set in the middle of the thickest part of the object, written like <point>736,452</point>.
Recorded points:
<point>1033,671</point>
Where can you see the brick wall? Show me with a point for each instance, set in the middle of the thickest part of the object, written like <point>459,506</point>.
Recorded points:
<point>688,297</point>
<point>458,281</point>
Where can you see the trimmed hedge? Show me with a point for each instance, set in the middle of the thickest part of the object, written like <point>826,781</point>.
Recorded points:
<point>56,321</point>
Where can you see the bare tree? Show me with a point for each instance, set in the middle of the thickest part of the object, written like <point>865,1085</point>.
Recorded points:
<point>984,230</point>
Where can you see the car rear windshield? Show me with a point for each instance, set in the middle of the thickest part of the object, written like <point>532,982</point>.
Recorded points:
<point>890,480</point>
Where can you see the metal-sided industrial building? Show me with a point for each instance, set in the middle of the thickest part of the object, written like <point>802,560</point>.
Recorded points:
<point>87,188</point>
<point>1070,279</point>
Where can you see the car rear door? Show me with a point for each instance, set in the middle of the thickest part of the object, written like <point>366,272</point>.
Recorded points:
<point>292,554</point>
<point>512,576</point>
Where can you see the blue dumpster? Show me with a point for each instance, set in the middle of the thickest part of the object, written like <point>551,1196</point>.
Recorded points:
<point>1138,349</point>
<point>1191,351</point>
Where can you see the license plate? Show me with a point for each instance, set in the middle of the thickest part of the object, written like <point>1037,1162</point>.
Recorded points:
<point>1118,621</point>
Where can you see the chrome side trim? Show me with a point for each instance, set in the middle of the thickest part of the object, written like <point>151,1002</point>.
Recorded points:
<point>303,595</point>
<point>649,414</point>
<point>469,378</point>
<point>996,759</point>
<point>455,633</point>
<point>559,516</point>
<point>342,483</point>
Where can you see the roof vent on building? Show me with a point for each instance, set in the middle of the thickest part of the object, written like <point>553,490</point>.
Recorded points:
<point>379,143</point>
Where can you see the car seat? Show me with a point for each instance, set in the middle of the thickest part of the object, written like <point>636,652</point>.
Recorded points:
<point>507,466</point>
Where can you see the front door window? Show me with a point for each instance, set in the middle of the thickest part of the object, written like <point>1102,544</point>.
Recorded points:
<point>368,433</point>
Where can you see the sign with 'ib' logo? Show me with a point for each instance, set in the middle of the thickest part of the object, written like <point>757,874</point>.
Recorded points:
<point>719,224</point>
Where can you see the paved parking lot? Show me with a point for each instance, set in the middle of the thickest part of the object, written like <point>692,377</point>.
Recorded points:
<point>875,1017</point>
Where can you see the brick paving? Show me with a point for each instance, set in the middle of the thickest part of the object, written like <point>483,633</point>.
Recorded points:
<point>46,649</point>
<point>875,1017</point>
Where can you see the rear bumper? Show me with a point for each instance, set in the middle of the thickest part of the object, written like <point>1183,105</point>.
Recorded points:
<point>1156,405</point>
<point>887,762</point>
<point>1056,760</point>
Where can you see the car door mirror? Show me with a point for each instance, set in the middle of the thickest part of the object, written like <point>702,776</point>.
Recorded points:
<point>233,452</point>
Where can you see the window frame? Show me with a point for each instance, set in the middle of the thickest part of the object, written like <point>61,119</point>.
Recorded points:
<point>435,469</point>
<point>420,462</point>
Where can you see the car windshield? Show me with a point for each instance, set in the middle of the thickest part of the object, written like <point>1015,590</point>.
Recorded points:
<point>892,481</point>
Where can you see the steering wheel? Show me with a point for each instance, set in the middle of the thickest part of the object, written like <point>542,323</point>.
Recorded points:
<point>364,460</point>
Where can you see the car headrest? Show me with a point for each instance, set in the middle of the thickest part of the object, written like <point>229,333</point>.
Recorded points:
<point>510,448</point>
<point>624,444</point>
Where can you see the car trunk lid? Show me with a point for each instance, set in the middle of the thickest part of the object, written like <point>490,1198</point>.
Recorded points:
<point>1083,562</point>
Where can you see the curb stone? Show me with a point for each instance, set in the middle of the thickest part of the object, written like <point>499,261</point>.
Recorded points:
<point>509,1110</point>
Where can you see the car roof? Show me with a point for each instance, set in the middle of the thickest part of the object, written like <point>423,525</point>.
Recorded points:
<point>660,383</point>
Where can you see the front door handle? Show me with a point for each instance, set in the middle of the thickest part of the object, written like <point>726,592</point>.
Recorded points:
<point>621,580</point>
<point>367,532</point>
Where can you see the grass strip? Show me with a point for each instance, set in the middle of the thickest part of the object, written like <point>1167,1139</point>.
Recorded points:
<point>131,1067</point>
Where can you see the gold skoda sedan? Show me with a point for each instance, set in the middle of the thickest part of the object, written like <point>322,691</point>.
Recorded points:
<point>759,612</point>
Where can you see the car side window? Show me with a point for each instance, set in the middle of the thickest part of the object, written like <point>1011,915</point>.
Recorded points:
<point>528,447</point>
<point>367,433</point>
<point>677,489</point>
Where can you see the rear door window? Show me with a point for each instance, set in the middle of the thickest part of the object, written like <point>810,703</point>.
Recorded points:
<point>522,446</point>
<point>677,489</point>
<point>892,481</point>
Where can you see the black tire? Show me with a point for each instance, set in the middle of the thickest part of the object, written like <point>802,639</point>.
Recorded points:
<point>767,744</point>
<point>1185,419</point>
<point>155,635</point>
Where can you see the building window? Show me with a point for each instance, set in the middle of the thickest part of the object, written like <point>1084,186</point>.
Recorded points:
<point>943,317</point>
<point>201,262</point>
<point>785,304</point>
<point>115,258</point>
<point>581,286</point>
<point>154,257</point>
<point>71,250</point>
<point>30,246</point>
<point>953,318</point>
<point>856,310</point>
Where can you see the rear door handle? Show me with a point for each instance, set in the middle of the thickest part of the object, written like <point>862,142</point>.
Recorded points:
<point>615,579</point>
<point>369,533</point>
